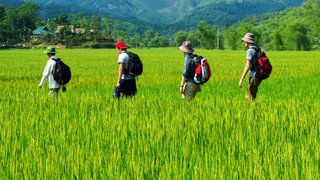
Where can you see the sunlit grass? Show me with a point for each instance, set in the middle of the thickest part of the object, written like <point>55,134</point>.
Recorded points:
<point>88,134</point>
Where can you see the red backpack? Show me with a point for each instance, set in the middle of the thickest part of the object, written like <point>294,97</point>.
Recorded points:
<point>203,71</point>
<point>264,65</point>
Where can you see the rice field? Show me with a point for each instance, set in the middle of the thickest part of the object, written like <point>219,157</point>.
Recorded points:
<point>86,134</point>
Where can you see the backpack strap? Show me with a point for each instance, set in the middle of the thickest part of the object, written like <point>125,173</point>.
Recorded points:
<point>257,49</point>
<point>126,69</point>
<point>56,60</point>
<point>255,64</point>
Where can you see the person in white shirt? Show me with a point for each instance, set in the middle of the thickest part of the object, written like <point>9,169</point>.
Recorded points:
<point>54,87</point>
<point>126,84</point>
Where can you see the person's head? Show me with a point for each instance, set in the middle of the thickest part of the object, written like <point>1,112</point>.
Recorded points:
<point>248,39</point>
<point>186,47</point>
<point>121,46</point>
<point>50,51</point>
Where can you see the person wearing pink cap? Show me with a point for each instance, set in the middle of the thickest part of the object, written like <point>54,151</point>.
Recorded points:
<point>188,87</point>
<point>126,83</point>
<point>252,65</point>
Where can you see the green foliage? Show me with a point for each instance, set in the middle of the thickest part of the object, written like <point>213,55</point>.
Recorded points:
<point>17,23</point>
<point>297,37</point>
<point>203,37</point>
<point>62,20</point>
<point>277,41</point>
<point>207,35</point>
<point>231,40</point>
<point>194,37</point>
<point>180,37</point>
<point>86,134</point>
<point>293,29</point>
<point>135,41</point>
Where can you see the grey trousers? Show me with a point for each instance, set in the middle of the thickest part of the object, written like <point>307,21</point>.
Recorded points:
<point>54,92</point>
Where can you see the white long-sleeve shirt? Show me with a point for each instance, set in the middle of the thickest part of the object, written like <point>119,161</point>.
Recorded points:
<point>47,74</point>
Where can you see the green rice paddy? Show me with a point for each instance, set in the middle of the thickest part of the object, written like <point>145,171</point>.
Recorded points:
<point>86,134</point>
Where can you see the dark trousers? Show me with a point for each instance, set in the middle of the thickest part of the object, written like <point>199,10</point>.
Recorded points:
<point>128,87</point>
<point>253,88</point>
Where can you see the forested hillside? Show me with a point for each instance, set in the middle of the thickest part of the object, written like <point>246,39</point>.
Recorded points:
<point>293,29</point>
<point>184,12</point>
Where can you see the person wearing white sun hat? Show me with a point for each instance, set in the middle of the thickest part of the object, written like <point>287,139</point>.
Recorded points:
<point>188,88</point>
<point>251,64</point>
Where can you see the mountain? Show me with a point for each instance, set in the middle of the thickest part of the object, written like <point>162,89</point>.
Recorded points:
<point>292,29</point>
<point>11,2</point>
<point>178,14</point>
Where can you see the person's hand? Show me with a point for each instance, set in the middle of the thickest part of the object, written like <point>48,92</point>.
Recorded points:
<point>240,83</point>
<point>181,89</point>
<point>199,89</point>
<point>118,84</point>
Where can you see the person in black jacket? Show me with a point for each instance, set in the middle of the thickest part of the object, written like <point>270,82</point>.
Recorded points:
<point>188,87</point>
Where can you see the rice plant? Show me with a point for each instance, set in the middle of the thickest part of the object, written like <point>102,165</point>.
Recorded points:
<point>86,134</point>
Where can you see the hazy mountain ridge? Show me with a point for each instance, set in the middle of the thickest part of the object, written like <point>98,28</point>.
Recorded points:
<point>164,11</point>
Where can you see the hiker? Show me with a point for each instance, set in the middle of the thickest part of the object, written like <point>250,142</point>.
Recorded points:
<point>126,83</point>
<point>251,65</point>
<point>54,87</point>
<point>188,87</point>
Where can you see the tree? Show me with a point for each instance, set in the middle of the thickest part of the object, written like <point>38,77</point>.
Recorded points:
<point>277,41</point>
<point>120,35</point>
<point>108,27</point>
<point>297,37</point>
<point>27,18</point>
<point>207,35</point>
<point>62,20</point>
<point>95,26</point>
<point>194,38</point>
<point>180,37</point>
<point>163,41</point>
<point>135,41</point>
<point>148,36</point>
<point>18,23</point>
<point>2,12</point>
<point>230,36</point>
<point>81,21</point>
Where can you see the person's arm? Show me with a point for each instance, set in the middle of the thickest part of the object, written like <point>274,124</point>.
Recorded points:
<point>120,72</point>
<point>183,80</point>
<point>184,74</point>
<point>245,71</point>
<point>45,75</point>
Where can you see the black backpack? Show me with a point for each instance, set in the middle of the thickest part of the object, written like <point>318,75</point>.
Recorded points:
<point>135,67</point>
<point>61,72</point>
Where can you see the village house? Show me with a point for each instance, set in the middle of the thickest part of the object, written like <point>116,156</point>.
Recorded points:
<point>38,33</point>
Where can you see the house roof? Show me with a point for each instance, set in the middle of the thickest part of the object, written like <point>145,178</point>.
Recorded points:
<point>72,29</point>
<point>41,31</point>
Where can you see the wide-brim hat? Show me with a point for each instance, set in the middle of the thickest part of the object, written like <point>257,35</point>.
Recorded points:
<point>248,38</point>
<point>50,50</point>
<point>186,47</point>
<point>121,45</point>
